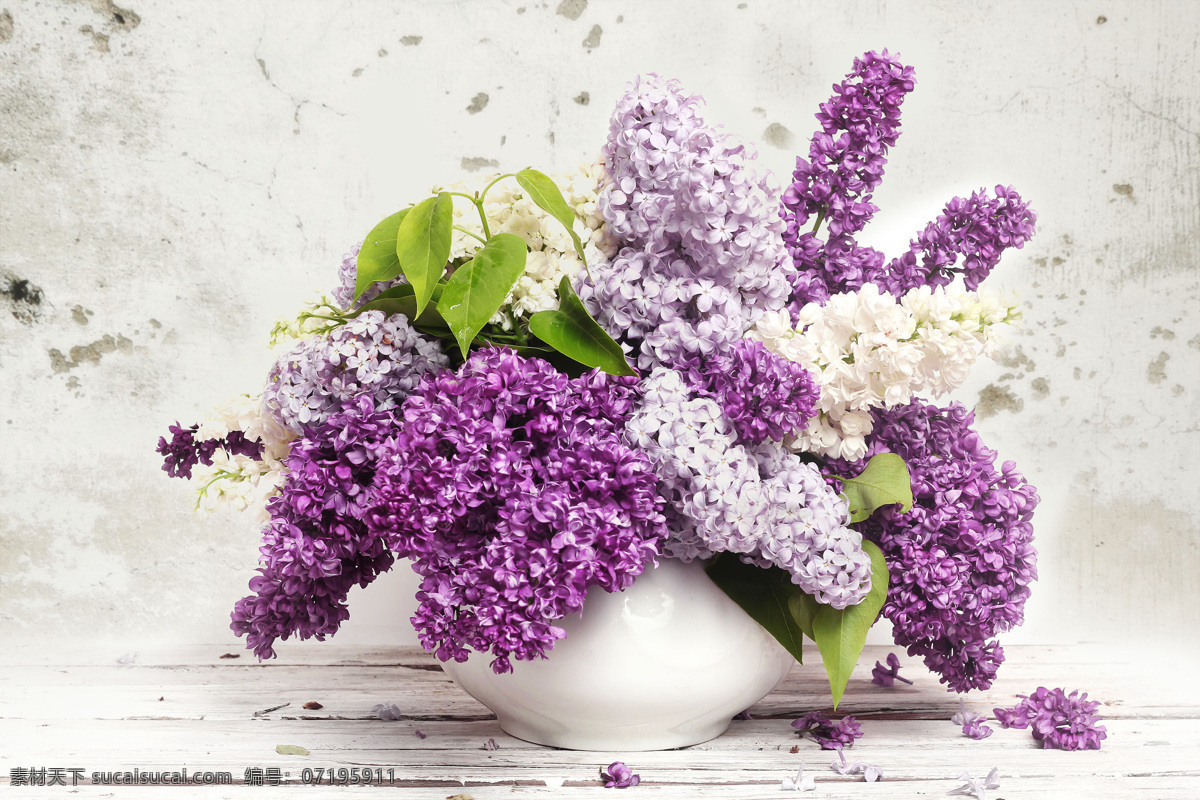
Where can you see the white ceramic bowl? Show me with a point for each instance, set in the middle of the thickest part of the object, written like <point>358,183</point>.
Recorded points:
<point>666,663</point>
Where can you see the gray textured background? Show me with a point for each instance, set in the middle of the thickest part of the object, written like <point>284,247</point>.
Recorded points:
<point>176,175</point>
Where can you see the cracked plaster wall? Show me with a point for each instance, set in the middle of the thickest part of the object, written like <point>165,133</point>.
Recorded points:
<point>174,176</point>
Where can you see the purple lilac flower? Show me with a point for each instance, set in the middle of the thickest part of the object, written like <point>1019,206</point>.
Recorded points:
<point>509,487</point>
<point>846,157</point>
<point>976,729</point>
<point>619,776</point>
<point>887,676</point>
<point>962,559</point>
<point>702,253</point>
<point>962,716</point>
<point>827,733</point>
<point>184,451</point>
<point>373,355</point>
<point>764,503</point>
<point>979,229</point>
<point>845,165</point>
<point>490,744</point>
<point>317,546</point>
<point>343,294</point>
<point>1058,720</point>
<point>976,787</point>
<point>766,397</point>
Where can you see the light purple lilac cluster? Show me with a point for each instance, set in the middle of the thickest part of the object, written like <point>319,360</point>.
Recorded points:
<point>764,396</point>
<point>184,450</point>
<point>762,503</point>
<point>827,733</point>
<point>834,185</point>
<point>962,559</point>
<point>317,545</point>
<point>375,355</point>
<point>1058,720</point>
<point>509,487</point>
<point>702,255</point>
<point>343,293</point>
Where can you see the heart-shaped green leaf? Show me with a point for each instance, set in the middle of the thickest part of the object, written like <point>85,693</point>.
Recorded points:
<point>885,481</point>
<point>377,259</point>
<point>546,194</point>
<point>841,634</point>
<point>423,244</point>
<point>571,331</point>
<point>478,288</point>
<point>764,594</point>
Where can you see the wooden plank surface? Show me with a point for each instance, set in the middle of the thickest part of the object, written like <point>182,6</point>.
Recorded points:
<point>188,707</point>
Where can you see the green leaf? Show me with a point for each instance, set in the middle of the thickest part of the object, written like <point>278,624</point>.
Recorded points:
<point>545,193</point>
<point>402,300</point>
<point>840,635</point>
<point>423,244</point>
<point>377,259</point>
<point>478,288</point>
<point>884,481</point>
<point>290,750</point>
<point>571,331</point>
<point>764,594</point>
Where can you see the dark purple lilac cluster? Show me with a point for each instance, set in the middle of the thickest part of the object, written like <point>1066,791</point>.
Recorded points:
<point>317,545</point>
<point>509,487</point>
<point>185,451</point>
<point>962,559</point>
<point>1058,720</point>
<point>827,733</point>
<point>834,185</point>
<point>979,229</point>
<point>766,397</point>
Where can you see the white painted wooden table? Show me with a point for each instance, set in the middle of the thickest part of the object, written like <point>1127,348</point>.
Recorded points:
<point>191,708</point>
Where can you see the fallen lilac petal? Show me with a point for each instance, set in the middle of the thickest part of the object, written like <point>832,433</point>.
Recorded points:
<point>827,733</point>
<point>974,787</point>
<point>387,711</point>
<point>872,774</point>
<point>976,729</point>
<point>801,783</point>
<point>419,733</point>
<point>619,776</point>
<point>887,676</point>
<point>1059,721</point>
<point>963,717</point>
<point>743,715</point>
<point>490,744</point>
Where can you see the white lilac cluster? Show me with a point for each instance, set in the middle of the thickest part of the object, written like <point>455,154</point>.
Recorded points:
<point>372,354</point>
<point>551,250</point>
<point>236,479</point>
<point>869,349</point>
<point>702,251</point>
<point>762,503</point>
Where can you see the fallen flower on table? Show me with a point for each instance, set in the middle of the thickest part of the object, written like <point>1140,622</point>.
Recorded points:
<point>962,716</point>
<point>827,733</point>
<point>490,744</point>
<point>887,676</point>
<point>743,715</point>
<point>313,705</point>
<point>1060,721</point>
<point>619,776</point>
<point>869,772</point>
<point>420,734</point>
<point>976,787</point>
<point>801,783</point>
<point>795,749</point>
<point>976,729</point>
<point>386,711</point>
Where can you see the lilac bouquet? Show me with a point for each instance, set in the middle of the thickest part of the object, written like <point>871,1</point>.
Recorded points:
<point>533,385</point>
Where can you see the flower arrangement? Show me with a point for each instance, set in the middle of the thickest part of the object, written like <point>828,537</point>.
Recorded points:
<point>533,385</point>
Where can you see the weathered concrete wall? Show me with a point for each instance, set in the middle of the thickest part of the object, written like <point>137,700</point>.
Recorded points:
<point>176,175</point>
